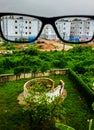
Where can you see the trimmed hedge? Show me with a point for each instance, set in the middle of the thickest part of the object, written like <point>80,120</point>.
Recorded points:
<point>81,86</point>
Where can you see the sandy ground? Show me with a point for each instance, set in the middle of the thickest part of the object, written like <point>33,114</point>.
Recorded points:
<point>49,45</point>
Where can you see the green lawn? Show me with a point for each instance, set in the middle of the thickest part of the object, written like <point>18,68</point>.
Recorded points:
<point>75,110</point>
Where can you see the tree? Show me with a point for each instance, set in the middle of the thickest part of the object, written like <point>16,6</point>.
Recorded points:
<point>20,69</point>
<point>34,69</point>
<point>7,63</point>
<point>42,113</point>
<point>61,63</point>
<point>44,66</point>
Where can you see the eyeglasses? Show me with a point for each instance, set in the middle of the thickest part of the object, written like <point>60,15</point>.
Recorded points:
<point>23,28</point>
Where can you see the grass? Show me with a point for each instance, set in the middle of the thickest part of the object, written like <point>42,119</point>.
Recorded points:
<point>11,115</point>
<point>76,112</point>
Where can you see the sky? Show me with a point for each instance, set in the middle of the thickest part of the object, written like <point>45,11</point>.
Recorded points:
<point>48,8</point>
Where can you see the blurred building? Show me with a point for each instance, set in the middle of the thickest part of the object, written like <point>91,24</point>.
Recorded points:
<point>19,27</point>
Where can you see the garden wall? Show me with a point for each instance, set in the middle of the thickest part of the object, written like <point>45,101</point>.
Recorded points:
<point>12,77</point>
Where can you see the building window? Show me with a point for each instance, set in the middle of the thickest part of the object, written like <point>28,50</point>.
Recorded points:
<point>16,27</point>
<point>25,32</point>
<point>25,21</point>
<point>29,27</point>
<point>29,32</point>
<point>16,32</point>
<point>29,21</point>
<point>25,27</point>
<point>15,21</point>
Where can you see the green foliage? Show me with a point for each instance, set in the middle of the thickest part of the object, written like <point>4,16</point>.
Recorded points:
<point>82,87</point>
<point>80,49</point>
<point>80,59</point>
<point>21,69</point>
<point>32,51</point>
<point>61,126</point>
<point>44,67</point>
<point>34,60</point>
<point>7,63</point>
<point>40,110</point>
<point>21,39</point>
<point>10,46</point>
<point>59,63</point>
<point>1,70</point>
<point>35,69</point>
<point>45,56</point>
<point>90,124</point>
<point>80,68</point>
<point>5,42</point>
<point>93,106</point>
<point>73,112</point>
<point>11,114</point>
<point>39,86</point>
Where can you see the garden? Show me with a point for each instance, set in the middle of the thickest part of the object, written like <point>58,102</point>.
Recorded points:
<point>74,111</point>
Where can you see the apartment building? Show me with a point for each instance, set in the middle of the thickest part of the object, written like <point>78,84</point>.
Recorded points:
<point>82,29</point>
<point>19,27</point>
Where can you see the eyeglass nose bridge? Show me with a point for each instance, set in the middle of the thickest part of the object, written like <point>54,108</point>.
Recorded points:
<point>48,21</point>
<point>51,21</point>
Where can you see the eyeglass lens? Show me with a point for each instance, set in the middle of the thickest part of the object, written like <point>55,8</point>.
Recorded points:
<point>20,28</point>
<point>75,29</point>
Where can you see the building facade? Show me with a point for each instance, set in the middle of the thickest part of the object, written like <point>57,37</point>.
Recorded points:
<point>15,28</point>
<point>82,29</point>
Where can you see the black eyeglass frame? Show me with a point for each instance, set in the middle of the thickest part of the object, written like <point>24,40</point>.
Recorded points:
<point>46,20</point>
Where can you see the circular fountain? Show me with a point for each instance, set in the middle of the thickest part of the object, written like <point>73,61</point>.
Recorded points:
<point>44,83</point>
<point>40,85</point>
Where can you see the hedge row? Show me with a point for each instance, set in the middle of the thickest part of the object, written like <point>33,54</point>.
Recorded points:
<point>81,86</point>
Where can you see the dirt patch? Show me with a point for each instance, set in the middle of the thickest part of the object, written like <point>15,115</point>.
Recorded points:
<point>48,45</point>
